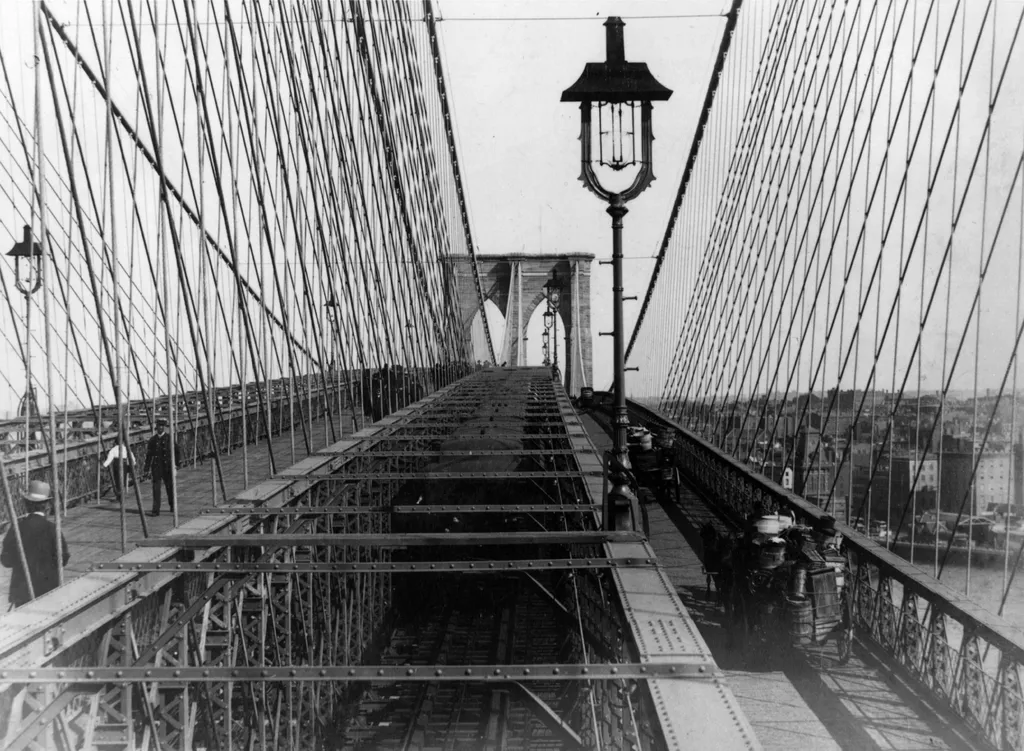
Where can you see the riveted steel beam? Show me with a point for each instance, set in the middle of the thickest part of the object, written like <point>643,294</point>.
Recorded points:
<point>497,508</point>
<point>475,420</point>
<point>419,567</point>
<point>483,433</point>
<point>445,453</point>
<point>424,539</point>
<point>344,476</point>
<point>512,508</point>
<point>698,668</point>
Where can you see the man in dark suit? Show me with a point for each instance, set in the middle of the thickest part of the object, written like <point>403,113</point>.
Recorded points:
<point>39,543</point>
<point>160,460</point>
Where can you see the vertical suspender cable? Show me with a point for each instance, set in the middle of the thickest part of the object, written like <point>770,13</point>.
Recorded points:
<point>111,235</point>
<point>46,259</point>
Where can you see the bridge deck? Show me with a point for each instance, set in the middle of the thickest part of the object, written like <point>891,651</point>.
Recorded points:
<point>796,699</point>
<point>463,643</point>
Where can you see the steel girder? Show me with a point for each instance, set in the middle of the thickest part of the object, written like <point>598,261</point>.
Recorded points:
<point>356,540</point>
<point>404,567</point>
<point>497,508</point>
<point>320,607</point>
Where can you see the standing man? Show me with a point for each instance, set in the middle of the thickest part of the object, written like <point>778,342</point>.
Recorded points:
<point>124,464</point>
<point>159,461</point>
<point>39,541</point>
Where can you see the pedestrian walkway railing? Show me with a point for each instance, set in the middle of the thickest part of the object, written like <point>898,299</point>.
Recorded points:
<point>967,659</point>
<point>81,477</point>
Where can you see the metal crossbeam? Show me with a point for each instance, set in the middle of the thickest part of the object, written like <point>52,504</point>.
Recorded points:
<point>435,453</point>
<point>698,668</point>
<point>425,539</point>
<point>483,433</point>
<point>424,567</point>
<point>477,420</point>
<point>511,508</point>
<point>498,508</point>
<point>343,476</point>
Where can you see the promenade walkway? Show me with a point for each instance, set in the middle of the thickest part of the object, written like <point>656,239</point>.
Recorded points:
<point>93,530</point>
<point>803,699</point>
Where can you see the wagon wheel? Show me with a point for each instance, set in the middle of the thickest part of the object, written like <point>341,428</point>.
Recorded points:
<point>757,621</point>
<point>739,624</point>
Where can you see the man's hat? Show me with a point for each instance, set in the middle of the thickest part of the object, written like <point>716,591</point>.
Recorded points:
<point>161,421</point>
<point>38,492</point>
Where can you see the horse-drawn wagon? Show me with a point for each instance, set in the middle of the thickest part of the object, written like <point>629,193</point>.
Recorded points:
<point>784,583</point>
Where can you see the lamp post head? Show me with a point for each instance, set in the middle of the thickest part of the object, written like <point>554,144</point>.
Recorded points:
<point>26,248</point>
<point>32,252</point>
<point>616,89</point>
<point>553,290</point>
<point>331,308</point>
<point>615,80</point>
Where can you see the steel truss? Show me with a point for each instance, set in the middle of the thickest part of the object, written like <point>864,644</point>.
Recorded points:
<point>425,539</point>
<point>442,475</point>
<point>333,673</point>
<point>271,622</point>
<point>425,567</point>
<point>498,508</point>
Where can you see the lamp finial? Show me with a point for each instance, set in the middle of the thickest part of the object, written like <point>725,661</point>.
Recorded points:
<point>614,43</point>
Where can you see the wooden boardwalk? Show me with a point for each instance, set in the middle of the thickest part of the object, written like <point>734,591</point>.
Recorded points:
<point>93,530</point>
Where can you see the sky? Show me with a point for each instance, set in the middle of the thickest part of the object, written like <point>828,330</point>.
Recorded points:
<point>507,64</point>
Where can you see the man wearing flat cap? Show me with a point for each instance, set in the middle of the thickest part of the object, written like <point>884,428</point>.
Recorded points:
<point>39,543</point>
<point>160,461</point>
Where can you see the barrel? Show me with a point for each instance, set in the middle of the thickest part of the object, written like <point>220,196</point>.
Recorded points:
<point>800,615</point>
<point>586,396</point>
<point>646,442</point>
<point>772,555</point>
<point>798,581</point>
<point>665,439</point>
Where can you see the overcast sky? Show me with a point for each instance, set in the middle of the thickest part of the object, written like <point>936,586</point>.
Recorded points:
<point>507,64</point>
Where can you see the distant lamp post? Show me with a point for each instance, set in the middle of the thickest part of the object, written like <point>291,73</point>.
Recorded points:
<point>553,293</point>
<point>619,92</point>
<point>549,318</point>
<point>29,278</point>
<point>331,311</point>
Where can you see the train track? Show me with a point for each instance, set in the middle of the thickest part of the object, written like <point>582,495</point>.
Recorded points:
<point>499,621</point>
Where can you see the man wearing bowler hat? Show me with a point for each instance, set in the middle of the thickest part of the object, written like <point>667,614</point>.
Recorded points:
<point>160,460</point>
<point>39,542</point>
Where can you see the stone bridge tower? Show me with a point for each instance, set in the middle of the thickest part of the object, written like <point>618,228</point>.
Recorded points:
<point>515,283</point>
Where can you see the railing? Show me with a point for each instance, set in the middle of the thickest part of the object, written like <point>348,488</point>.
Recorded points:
<point>967,658</point>
<point>81,479</point>
<point>375,393</point>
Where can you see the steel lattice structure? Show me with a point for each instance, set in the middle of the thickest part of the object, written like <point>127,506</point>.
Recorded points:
<point>321,615</point>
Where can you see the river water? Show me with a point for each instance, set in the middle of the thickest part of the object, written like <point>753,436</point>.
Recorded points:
<point>986,591</point>
<point>986,585</point>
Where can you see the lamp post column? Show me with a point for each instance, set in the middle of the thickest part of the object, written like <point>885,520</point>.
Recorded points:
<point>620,419</point>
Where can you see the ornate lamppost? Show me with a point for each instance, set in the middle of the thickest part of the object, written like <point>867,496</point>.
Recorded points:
<point>549,318</point>
<point>28,277</point>
<point>553,294</point>
<point>620,93</point>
